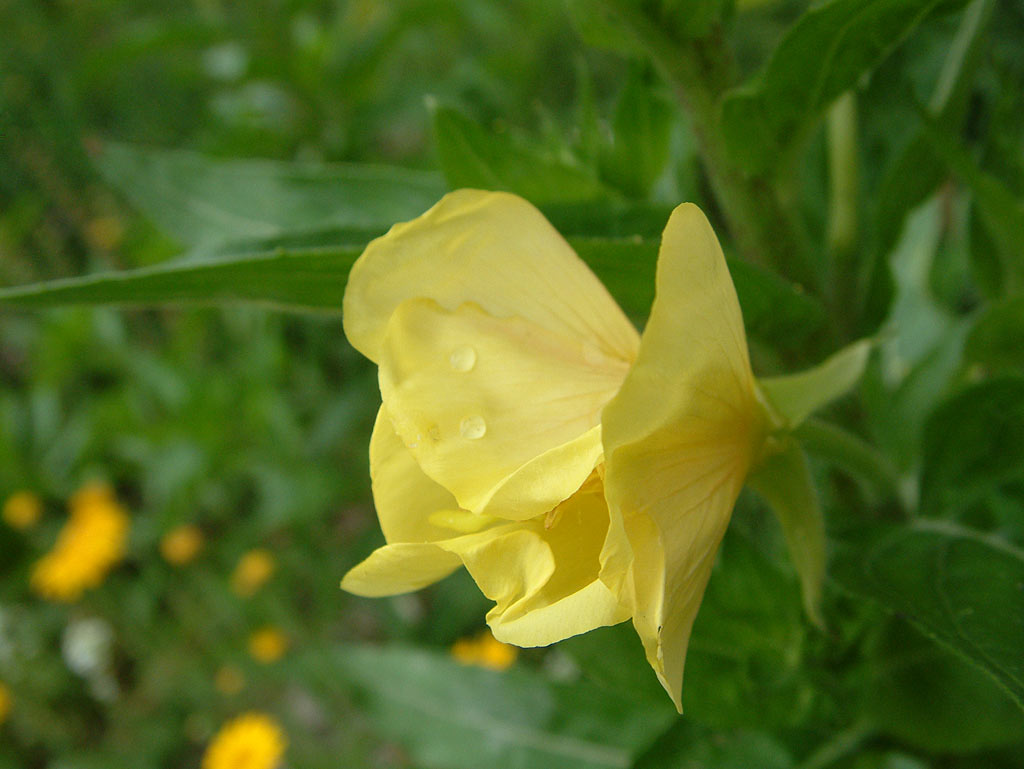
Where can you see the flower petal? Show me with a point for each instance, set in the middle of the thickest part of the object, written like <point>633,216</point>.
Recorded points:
<point>405,498</point>
<point>400,568</point>
<point>491,248</point>
<point>679,438</point>
<point>501,412</point>
<point>544,574</point>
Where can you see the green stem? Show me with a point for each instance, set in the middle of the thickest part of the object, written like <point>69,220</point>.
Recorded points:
<point>842,171</point>
<point>851,453</point>
<point>763,226</point>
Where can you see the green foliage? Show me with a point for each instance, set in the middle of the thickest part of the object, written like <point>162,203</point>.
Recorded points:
<point>765,120</point>
<point>958,586</point>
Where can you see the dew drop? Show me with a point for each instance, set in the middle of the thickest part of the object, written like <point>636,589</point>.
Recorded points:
<point>463,358</point>
<point>473,428</point>
<point>434,432</point>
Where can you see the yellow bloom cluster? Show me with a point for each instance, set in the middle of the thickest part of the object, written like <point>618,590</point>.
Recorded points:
<point>583,474</point>
<point>91,543</point>
<point>251,741</point>
<point>484,651</point>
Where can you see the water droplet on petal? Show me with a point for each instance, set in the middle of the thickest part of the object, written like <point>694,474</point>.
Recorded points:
<point>434,432</point>
<point>473,427</point>
<point>463,358</point>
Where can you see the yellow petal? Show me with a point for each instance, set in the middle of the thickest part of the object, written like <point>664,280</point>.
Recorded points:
<point>491,248</point>
<point>500,411</point>
<point>544,575</point>
<point>399,568</point>
<point>405,498</point>
<point>679,438</point>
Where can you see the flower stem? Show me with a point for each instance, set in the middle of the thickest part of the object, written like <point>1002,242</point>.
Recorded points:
<point>766,230</point>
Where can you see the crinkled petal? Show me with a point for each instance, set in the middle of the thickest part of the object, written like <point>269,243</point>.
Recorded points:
<point>405,498</point>
<point>679,438</point>
<point>544,575</point>
<point>500,411</point>
<point>400,568</point>
<point>490,248</point>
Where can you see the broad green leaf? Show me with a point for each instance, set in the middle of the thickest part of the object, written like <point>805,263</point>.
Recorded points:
<point>960,587</point>
<point>996,340</point>
<point>201,200</point>
<point>925,696</point>
<point>796,396</point>
<point>301,279</point>
<point>784,480</point>
<point>454,717</point>
<point>642,128</point>
<point>472,156</point>
<point>972,443</point>
<point>828,49</point>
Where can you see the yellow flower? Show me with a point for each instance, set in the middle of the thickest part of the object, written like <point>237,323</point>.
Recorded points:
<point>268,644</point>
<point>89,545</point>
<point>182,544</point>
<point>484,651</point>
<point>582,474</point>
<point>251,741</point>
<point>22,509</point>
<point>92,493</point>
<point>5,702</point>
<point>253,570</point>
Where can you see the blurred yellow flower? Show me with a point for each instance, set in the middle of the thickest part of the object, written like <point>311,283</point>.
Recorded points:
<point>268,644</point>
<point>5,702</point>
<point>22,510</point>
<point>89,545</point>
<point>582,474</point>
<point>229,680</point>
<point>251,741</point>
<point>253,570</point>
<point>485,651</point>
<point>180,545</point>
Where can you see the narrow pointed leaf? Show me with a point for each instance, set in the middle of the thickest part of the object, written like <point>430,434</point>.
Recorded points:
<point>797,396</point>
<point>784,480</point>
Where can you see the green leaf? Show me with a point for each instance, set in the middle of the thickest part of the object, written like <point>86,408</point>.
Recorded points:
<point>303,279</point>
<point>828,49</point>
<point>472,156</point>
<point>298,281</point>
<point>200,200</point>
<point>642,130</point>
<point>796,396</point>
<point>995,338</point>
<point>960,587</point>
<point>454,717</point>
<point>972,444</point>
<point>784,480</point>
<point>923,695</point>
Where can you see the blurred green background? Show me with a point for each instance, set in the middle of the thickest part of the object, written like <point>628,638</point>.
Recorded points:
<point>252,424</point>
